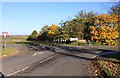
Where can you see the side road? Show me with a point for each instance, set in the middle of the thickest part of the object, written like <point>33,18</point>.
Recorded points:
<point>27,55</point>
<point>28,63</point>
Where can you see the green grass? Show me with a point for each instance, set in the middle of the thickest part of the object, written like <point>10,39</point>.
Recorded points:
<point>96,43</point>
<point>14,39</point>
<point>7,51</point>
<point>74,44</point>
<point>32,43</point>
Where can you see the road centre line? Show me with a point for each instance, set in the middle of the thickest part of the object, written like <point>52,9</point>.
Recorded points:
<point>48,59</point>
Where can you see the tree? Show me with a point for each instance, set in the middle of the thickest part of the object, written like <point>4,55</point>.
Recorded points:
<point>74,28</point>
<point>86,21</point>
<point>33,36</point>
<point>78,26</point>
<point>105,29</point>
<point>115,9</point>
<point>48,32</point>
<point>44,29</point>
<point>61,34</point>
<point>52,30</point>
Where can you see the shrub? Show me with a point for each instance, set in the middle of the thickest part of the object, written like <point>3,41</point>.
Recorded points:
<point>81,42</point>
<point>96,43</point>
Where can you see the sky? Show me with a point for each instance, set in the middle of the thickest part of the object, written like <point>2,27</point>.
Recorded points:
<point>21,18</point>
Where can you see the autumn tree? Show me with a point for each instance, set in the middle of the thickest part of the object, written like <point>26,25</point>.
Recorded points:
<point>105,29</point>
<point>48,32</point>
<point>86,21</point>
<point>52,30</point>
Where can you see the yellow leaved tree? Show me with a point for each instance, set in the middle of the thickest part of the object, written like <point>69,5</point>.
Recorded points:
<point>105,29</point>
<point>52,30</point>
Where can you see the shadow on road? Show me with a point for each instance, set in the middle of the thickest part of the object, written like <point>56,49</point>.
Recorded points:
<point>27,43</point>
<point>32,46</point>
<point>96,51</point>
<point>74,56</point>
<point>73,51</point>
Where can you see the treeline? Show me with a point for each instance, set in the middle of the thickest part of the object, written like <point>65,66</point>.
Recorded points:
<point>91,26</point>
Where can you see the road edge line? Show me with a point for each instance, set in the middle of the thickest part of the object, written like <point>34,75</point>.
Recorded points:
<point>29,67</point>
<point>18,71</point>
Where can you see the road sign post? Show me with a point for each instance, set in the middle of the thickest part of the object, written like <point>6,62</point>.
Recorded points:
<point>5,43</point>
<point>4,35</point>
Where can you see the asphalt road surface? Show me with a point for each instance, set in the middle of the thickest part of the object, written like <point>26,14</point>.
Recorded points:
<point>27,56</point>
<point>63,61</point>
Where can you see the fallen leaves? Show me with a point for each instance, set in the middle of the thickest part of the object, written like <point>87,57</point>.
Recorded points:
<point>103,67</point>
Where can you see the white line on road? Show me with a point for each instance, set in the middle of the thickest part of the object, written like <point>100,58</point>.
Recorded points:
<point>37,53</point>
<point>95,56</point>
<point>48,58</point>
<point>18,71</point>
<point>28,67</point>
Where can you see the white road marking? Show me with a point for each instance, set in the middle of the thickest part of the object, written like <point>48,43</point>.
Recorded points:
<point>95,56</point>
<point>37,53</point>
<point>47,59</point>
<point>28,67</point>
<point>18,71</point>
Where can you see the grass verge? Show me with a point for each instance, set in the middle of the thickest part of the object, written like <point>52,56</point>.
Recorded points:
<point>8,52</point>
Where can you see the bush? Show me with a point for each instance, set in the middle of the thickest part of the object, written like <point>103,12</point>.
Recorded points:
<point>33,36</point>
<point>82,44</point>
<point>30,38</point>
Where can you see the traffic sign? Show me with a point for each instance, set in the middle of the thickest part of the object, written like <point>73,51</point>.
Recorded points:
<point>5,34</point>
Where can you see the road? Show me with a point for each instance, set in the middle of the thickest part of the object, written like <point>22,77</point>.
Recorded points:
<point>25,58</point>
<point>60,65</point>
<point>64,61</point>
